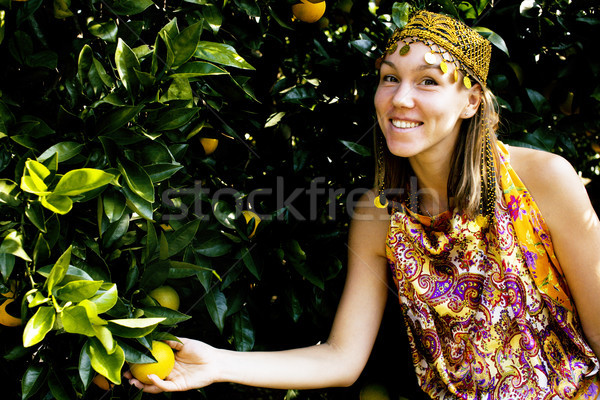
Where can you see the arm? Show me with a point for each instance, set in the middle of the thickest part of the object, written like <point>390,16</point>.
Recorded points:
<point>574,228</point>
<point>337,362</point>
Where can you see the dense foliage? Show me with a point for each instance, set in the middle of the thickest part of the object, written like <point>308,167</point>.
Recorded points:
<point>107,191</point>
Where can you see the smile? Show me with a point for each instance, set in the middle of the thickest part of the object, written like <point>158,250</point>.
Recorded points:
<point>405,124</point>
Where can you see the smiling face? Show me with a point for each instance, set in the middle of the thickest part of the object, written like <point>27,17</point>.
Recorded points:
<point>419,108</point>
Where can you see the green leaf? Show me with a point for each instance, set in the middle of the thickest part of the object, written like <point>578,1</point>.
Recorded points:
<point>175,118</point>
<point>106,364</point>
<point>243,333</point>
<point>82,180</point>
<point>7,264</point>
<point>539,101</point>
<point>59,385</point>
<point>196,69</point>
<point>38,326</point>
<point>116,119</point>
<point>9,193</point>
<point>216,303</point>
<point>86,372</point>
<point>493,37</point>
<point>249,262</point>
<point>212,15</point>
<point>105,336</point>
<point>32,380</point>
<point>137,203</point>
<point>171,317</point>
<point>136,323</point>
<point>59,270</point>
<point>182,237</point>
<point>106,297</point>
<point>185,43</point>
<point>75,320</point>
<point>115,231</point>
<point>134,355</point>
<point>35,213</point>
<point>225,213</point>
<point>104,30</point>
<point>77,291</point>
<point>151,241</point>
<point>357,148</point>
<point>33,177</point>
<point>160,171</point>
<point>58,204</point>
<point>126,62</point>
<point>137,179</point>
<point>400,14</point>
<point>65,151</point>
<point>130,7</point>
<point>41,251</point>
<point>13,244</point>
<point>220,53</point>
<point>113,203</point>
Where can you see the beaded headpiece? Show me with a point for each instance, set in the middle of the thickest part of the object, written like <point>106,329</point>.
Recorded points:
<point>454,41</point>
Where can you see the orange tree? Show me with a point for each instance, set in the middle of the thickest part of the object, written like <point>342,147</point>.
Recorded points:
<point>133,135</point>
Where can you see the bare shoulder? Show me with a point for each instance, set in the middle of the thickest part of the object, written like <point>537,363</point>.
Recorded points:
<point>552,181</point>
<point>368,230</point>
<point>541,167</point>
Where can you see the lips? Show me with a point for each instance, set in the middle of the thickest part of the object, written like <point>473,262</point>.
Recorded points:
<point>403,124</point>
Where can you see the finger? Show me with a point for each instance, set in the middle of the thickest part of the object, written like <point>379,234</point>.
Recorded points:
<point>175,345</point>
<point>127,374</point>
<point>146,388</point>
<point>165,386</point>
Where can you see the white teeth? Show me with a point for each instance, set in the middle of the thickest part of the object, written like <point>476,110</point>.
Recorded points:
<point>404,124</point>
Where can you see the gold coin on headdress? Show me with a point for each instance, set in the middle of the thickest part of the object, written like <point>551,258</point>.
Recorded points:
<point>456,75</point>
<point>404,50</point>
<point>392,48</point>
<point>378,202</point>
<point>467,82</point>
<point>430,58</point>
<point>444,67</point>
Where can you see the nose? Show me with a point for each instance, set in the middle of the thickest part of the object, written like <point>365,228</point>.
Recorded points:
<point>404,96</point>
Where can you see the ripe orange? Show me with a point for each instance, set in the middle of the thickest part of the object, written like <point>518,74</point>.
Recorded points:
<point>308,11</point>
<point>5,318</point>
<point>102,382</point>
<point>166,297</point>
<point>209,145</point>
<point>248,215</point>
<point>162,368</point>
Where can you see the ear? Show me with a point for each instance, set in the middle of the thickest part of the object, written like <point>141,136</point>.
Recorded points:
<point>474,100</point>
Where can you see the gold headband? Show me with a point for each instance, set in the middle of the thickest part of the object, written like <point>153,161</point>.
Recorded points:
<point>455,42</point>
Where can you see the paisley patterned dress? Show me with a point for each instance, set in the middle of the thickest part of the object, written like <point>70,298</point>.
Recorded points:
<point>488,312</point>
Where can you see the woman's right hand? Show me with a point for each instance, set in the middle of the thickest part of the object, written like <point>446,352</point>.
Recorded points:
<point>193,368</point>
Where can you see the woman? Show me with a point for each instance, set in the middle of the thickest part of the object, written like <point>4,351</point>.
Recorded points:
<point>485,299</point>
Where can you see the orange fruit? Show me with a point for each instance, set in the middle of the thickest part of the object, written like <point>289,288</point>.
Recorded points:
<point>102,382</point>
<point>248,215</point>
<point>209,145</point>
<point>5,318</point>
<point>166,297</point>
<point>165,358</point>
<point>308,11</point>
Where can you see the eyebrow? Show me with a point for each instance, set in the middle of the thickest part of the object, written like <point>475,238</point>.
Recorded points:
<point>422,67</point>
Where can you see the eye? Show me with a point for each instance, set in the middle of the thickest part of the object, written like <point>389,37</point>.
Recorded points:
<point>429,82</point>
<point>389,78</point>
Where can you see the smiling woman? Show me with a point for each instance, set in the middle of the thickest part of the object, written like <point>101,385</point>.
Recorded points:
<point>493,285</point>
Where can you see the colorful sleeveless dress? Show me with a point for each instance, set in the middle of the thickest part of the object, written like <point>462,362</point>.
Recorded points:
<point>488,312</point>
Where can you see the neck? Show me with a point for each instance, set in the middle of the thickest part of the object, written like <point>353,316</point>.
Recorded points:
<point>431,190</point>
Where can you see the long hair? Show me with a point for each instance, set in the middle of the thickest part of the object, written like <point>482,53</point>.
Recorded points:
<point>467,179</point>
